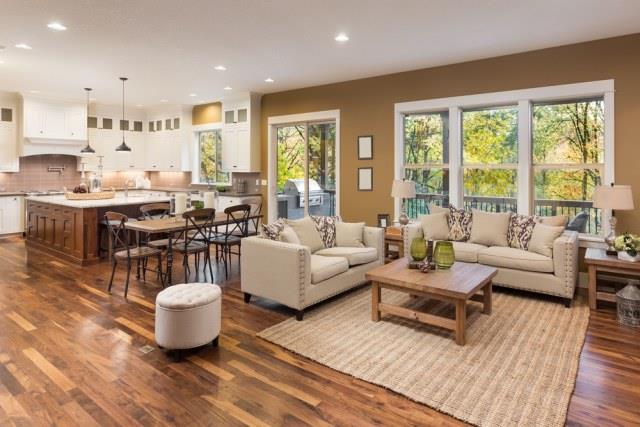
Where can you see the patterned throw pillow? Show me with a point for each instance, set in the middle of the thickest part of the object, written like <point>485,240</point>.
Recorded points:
<point>520,231</point>
<point>459,224</point>
<point>272,231</point>
<point>326,226</point>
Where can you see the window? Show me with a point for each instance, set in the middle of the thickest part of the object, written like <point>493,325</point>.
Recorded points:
<point>568,159</point>
<point>124,124</point>
<point>539,151</point>
<point>210,158</point>
<point>107,123</point>
<point>489,158</point>
<point>426,158</point>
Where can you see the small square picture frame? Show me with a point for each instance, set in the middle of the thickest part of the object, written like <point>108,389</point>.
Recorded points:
<point>384,220</point>
<point>365,147</point>
<point>365,179</point>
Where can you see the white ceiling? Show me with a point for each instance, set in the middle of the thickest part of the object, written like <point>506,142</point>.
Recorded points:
<point>168,48</point>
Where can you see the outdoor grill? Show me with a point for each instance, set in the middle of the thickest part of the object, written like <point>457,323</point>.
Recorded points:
<point>295,188</point>
<point>291,200</point>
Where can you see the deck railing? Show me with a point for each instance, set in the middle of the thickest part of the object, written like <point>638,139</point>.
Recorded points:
<point>570,208</point>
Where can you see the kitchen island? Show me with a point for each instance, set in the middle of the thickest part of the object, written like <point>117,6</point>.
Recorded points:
<point>70,229</point>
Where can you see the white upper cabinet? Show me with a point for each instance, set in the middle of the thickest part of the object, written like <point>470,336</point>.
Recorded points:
<point>45,119</point>
<point>241,134</point>
<point>8,138</point>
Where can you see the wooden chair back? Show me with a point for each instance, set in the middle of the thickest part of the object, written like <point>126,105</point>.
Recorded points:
<point>200,221</point>
<point>237,221</point>
<point>118,231</point>
<point>151,209</point>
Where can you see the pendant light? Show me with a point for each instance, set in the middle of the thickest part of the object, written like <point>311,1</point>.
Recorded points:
<point>88,149</point>
<point>123,147</point>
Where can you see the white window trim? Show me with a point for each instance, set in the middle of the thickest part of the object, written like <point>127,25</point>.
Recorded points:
<point>275,121</point>
<point>195,152</point>
<point>523,98</point>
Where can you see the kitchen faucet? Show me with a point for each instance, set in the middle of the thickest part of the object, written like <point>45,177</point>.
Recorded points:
<point>126,186</point>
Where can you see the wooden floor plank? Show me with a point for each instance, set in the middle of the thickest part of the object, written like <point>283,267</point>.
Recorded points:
<point>236,412</point>
<point>21,321</point>
<point>49,369</point>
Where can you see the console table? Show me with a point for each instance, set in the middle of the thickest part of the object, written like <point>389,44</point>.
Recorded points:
<point>598,261</point>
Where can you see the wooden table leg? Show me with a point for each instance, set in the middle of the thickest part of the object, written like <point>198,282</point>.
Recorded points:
<point>375,300</point>
<point>593,304</point>
<point>461,320</point>
<point>486,298</point>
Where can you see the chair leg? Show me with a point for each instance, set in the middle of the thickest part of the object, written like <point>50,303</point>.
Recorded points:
<point>225,258</point>
<point>126,285</point>
<point>209,262</point>
<point>160,270</point>
<point>144,269</point>
<point>185,264</point>
<point>138,269</point>
<point>113,272</point>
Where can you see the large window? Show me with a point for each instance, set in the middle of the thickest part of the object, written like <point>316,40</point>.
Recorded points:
<point>568,159</point>
<point>426,154</point>
<point>210,158</point>
<point>490,158</point>
<point>533,151</point>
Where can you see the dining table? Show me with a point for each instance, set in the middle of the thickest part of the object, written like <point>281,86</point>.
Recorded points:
<point>173,225</point>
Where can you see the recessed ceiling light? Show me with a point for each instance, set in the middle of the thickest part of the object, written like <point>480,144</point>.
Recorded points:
<point>220,68</point>
<point>164,100</point>
<point>1,61</point>
<point>92,99</point>
<point>139,105</point>
<point>193,95</point>
<point>269,80</point>
<point>56,26</point>
<point>34,91</point>
<point>23,46</point>
<point>228,88</point>
<point>341,38</point>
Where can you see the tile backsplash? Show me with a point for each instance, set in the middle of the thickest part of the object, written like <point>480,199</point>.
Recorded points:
<point>34,175</point>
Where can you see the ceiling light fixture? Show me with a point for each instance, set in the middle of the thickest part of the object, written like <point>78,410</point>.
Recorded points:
<point>220,68</point>
<point>268,80</point>
<point>88,148</point>
<point>123,147</point>
<point>56,26</point>
<point>139,105</point>
<point>193,95</point>
<point>228,88</point>
<point>342,38</point>
<point>34,91</point>
<point>23,46</point>
<point>164,100</point>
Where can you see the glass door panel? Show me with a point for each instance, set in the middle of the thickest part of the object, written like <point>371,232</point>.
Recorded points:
<point>290,171</point>
<point>322,168</point>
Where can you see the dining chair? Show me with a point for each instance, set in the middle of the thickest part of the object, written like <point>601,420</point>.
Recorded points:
<point>120,239</point>
<point>155,211</point>
<point>236,228</point>
<point>255,202</point>
<point>196,239</point>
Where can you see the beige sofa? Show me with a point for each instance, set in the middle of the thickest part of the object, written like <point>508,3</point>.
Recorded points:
<point>290,274</point>
<point>520,269</point>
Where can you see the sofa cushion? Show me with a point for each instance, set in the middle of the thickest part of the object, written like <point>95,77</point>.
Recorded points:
<point>287,235</point>
<point>349,234</point>
<point>326,226</point>
<point>520,230</point>
<point>307,232</point>
<point>467,252</point>
<point>543,237</point>
<point>325,267</point>
<point>490,228</point>
<point>459,224</point>
<point>355,256</point>
<point>435,226</point>
<point>517,259</point>
<point>553,221</point>
<point>272,231</point>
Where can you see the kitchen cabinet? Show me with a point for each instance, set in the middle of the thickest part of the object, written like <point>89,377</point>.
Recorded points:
<point>11,214</point>
<point>8,141</point>
<point>241,135</point>
<point>44,119</point>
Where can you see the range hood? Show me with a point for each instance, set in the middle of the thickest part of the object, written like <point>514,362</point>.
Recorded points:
<point>52,127</point>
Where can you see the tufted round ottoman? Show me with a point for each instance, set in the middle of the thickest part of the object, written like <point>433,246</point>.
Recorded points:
<point>188,316</point>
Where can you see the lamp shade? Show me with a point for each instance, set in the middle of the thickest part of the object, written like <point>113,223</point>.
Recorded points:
<point>403,189</point>
<point>616,197</point>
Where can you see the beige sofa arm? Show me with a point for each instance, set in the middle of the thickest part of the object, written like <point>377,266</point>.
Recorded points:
<point>374,238</point>
<point>411,231</point>
<point>275,270</point>
<point>565,261</point>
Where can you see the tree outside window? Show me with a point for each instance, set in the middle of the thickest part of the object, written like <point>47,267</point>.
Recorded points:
<point>210,158</point>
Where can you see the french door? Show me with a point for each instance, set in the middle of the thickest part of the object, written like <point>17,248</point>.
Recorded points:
<point>305,166</point>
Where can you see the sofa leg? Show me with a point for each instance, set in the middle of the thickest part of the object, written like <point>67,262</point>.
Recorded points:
<point>247,297</point>
<point>299,315</point>
<point>567,302</point>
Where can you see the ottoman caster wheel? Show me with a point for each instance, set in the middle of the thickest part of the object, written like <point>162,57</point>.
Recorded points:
<point>215,341</point>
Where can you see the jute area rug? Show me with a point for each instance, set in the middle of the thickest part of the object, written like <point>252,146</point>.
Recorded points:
<point>518,367</point>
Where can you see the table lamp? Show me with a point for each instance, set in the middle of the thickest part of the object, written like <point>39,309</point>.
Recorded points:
<point>403,189</point>
<point>614,197</point>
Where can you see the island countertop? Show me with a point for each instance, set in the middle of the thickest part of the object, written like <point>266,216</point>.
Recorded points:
<point>119,200</point>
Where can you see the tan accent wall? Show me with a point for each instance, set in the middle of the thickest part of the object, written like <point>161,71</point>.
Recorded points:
<point>366,108</point>
<point>207,113</point>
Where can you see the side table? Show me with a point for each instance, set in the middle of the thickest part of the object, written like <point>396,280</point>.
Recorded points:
<point>597,261</point>
<point>393,237</point>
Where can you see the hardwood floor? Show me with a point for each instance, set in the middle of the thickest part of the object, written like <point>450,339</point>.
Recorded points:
<point>70,354</point>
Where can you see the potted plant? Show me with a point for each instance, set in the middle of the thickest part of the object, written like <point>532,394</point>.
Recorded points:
<point>628,247</point>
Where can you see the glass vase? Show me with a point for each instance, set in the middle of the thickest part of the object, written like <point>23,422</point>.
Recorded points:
<point>444,255</point>
<point>418,249</point>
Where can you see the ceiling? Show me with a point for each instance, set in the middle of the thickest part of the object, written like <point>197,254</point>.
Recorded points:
<point>168,49</point>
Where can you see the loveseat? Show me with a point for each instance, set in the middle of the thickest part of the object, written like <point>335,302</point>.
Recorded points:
<point>299,276</point>
<point>520,269</point>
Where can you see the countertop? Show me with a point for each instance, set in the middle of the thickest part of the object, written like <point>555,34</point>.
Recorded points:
<point>119,200</point>
<point>11,193</point>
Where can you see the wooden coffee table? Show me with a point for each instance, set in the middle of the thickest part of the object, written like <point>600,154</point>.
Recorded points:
<point>457,285</point>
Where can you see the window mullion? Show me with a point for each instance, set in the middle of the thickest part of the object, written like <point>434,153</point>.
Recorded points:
<point>455,157</point>
<point>525,185</point>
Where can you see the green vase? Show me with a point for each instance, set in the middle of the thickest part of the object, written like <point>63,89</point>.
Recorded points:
<point>418,249</point>
<point>444,255</point>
